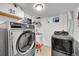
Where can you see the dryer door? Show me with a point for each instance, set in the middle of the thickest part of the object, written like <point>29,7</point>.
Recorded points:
<point>25,42</point>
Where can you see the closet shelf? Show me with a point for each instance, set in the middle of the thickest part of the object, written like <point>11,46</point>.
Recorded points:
<point>9,15</point>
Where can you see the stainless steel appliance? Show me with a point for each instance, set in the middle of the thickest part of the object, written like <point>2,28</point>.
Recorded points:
<point>17,40</point>
<point>3,39</point>
<point>3,42</point>
<point>62,44</point>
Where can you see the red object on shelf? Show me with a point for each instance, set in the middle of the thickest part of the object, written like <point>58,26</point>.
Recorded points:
<point>38,45</point>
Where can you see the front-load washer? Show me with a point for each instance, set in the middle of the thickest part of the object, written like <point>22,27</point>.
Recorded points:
<point>21,38</point>
<point>17,39</point>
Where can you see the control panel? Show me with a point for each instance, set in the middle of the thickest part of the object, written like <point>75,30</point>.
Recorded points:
<point>20,25</point>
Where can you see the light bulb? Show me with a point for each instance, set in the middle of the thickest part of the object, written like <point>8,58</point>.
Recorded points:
<point>38,7</point>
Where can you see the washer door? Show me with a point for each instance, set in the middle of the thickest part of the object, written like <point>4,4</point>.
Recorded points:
<point>25,42</point>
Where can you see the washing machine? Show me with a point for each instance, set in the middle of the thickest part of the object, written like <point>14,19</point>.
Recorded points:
<point>21,38</point>
<point>62,44</point>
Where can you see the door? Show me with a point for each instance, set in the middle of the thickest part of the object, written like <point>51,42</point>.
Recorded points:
<point>25,42</point>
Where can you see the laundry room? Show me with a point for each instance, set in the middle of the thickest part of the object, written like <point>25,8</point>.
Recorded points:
<point>39,29</point>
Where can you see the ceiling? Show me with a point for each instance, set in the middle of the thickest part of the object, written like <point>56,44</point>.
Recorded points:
<point>51,9</point>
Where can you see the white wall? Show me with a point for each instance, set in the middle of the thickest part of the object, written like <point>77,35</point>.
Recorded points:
<point>76,28</point>
<point>48,28</point>
<point>5,8</point>
<point>70,22</point>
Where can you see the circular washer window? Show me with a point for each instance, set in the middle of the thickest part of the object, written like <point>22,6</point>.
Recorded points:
<point>25,41</point>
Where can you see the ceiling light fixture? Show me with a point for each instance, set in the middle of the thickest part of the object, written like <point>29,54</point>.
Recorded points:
<point>39,7</point>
